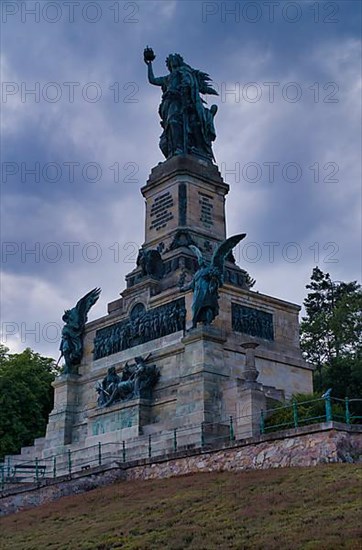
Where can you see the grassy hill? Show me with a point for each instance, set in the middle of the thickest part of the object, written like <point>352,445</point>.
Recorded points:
<point>273,509</point>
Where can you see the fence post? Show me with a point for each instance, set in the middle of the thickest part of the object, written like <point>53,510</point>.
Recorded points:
<point>124,451</point>
<point>54,467</point>
<point>262,422</point>
<point>295,413</point>
<point>69,462</point>
<point>347,412</point>
<point>8,466</point>
<point>36,468</point>
<point>175,440</point>
<point>99,453</point>
<point>231,429</point>
<point>3,477</point>
<point>328,406</point>
<point>149,446</point>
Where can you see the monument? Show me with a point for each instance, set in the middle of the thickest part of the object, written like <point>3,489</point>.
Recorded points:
<point>188,343</point>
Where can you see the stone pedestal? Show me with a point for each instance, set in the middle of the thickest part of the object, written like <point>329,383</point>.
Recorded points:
<point>252,398</point>
<point>60,424</point>
<point>202,373</point>
<point>184,192</point>
<point>122,421</point>
<point>251,402</point>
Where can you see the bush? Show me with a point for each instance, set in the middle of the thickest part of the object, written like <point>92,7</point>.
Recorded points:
<point>307,409</point>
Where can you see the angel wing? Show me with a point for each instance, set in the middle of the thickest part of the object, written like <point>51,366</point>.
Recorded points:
<point>198,253</point>
<point>221,251</point>
<point>84,304</point>
<point>204,83</point>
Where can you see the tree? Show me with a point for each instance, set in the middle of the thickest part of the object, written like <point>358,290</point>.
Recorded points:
<point>26,398</point>
<point>331,334</point>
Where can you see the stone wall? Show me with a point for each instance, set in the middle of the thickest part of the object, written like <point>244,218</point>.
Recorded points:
<point>297,449</point>
<point>308,446</point>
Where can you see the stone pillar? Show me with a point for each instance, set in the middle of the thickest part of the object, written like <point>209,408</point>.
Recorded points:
<point>199,397</point>
<point>251,397</point>
<point>250,372</point>
<point>60,424</point>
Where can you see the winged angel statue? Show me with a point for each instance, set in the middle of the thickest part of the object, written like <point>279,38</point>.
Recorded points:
<point>71,346</point>
<point>207,280</point>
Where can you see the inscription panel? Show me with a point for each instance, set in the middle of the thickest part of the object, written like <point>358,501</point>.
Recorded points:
<point>161,212</point>
<point>115,421</point>
<point>252,321</point>
<point>206,209</point>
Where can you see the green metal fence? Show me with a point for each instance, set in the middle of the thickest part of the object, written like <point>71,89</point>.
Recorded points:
<point>291,415</point>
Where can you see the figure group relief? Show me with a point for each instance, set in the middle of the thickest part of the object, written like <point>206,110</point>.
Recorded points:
<point>136,381</point>
<point>140,327</point>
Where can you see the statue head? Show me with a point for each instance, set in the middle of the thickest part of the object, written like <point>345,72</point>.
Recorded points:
<point>66,316</point>
<point>173,61</point>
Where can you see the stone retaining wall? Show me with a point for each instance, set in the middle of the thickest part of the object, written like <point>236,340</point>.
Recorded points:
<point>307,446</point>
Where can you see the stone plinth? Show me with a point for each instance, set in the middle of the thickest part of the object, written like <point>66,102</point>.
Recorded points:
<point>251,402</point>
<point>119,422</point>
<point>61,419</point>
<point>184,192</point>
<point>201,376</point>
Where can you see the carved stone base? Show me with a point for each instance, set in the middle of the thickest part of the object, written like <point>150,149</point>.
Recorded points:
<point>61,419</point>
<point>251,402</point>
<point>119,422</point>
<point>201,376</point>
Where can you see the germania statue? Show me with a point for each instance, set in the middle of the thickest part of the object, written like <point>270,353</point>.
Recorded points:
<point>71,346</point>
<point>188,125</point>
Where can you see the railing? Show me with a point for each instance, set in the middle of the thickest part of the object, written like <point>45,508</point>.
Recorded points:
<point>303,413</point>
<point>293,415</point>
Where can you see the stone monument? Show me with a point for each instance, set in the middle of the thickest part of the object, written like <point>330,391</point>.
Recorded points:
<point>188,343</point>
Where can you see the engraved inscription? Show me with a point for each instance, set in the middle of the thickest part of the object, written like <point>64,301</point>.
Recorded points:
<point>206,209</point>
<point>182,203</point>
<point>252,321</point>
<point>160,211</point>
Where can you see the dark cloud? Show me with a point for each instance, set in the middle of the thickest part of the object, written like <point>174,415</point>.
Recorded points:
<point>85,231</point>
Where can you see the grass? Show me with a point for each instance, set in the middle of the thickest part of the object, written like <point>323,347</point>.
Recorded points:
<point>307,508</point>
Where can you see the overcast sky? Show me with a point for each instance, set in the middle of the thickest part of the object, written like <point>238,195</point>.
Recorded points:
<point>80,133</point>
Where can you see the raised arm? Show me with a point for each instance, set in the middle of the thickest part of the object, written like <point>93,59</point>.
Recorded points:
<point>159,81</point>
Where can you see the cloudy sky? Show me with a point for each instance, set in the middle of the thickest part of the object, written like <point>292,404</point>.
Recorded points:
<point>80,134</point>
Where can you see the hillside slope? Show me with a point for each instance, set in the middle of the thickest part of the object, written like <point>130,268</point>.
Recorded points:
<point>285,508</point>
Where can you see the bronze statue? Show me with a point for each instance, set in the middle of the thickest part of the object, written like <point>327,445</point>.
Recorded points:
<point>188,126</point>
<point>207,280</point>
<point>136,381</point>
<point>71,346</point>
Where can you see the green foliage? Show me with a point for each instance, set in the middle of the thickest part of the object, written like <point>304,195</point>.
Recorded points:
<point>26,398</point>
<point>307,409</point>
<point>331,334</point>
